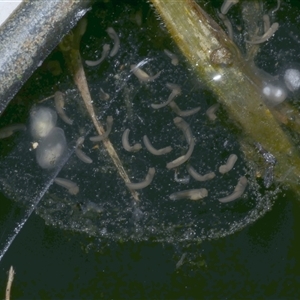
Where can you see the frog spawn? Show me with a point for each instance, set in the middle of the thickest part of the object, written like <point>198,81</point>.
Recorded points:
<point>90,207</point>
<point>143,211</point>
<point>131,144</point>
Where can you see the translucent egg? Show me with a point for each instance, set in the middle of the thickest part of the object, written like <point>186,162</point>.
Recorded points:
<point>274,94</point>
<point>291,79</point>
<point>51,149</point>
<point>42,121</point>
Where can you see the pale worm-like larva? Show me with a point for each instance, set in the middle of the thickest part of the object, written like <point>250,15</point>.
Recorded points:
<point>199,177</point>
<point>109,124</point>
<point>113,35</point>
<point>142,75</point>
<point>265,36</point>
<point>227,5</point>
<point>154,151</point>
<point>277,7</point>
<point>182,159</point>
<point>176,90</point>
<point>104,54</point>
<point>238,191</point>
<point>80,154</point>
<point>195,194</point>
<point>71,186</point>
<point>79,141</point>
<point>9,130</point>
<point>59,106</point>
<point>229,164</point>
<point>211,111</point>
<point>172,56</point>
<point>228,25</point>
<point>136,147</point>
<point>103,96</point>
<point>42,121</point>
<point>183,113</point>
<point>185,128</point>
<point>143,184</point>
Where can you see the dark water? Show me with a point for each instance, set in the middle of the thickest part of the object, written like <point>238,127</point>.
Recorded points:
<point>260,261</point>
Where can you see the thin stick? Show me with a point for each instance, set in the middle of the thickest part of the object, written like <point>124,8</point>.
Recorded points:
<point>47,98</point>
<point>11,274</point>
<point>73,58</point>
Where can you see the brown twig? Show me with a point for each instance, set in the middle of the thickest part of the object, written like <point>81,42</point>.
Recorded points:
<point>70,48</point>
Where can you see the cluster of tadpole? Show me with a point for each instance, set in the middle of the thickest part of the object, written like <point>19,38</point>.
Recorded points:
<point>137,97</point>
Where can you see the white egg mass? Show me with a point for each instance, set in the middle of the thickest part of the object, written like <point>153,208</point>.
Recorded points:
<point>42,121</point>
<point>292,79</point>
<point>51,149</point>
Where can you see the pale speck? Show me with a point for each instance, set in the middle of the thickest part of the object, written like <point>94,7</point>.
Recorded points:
<point>217,77</point>
<point>34,145</point>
